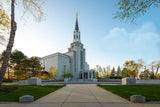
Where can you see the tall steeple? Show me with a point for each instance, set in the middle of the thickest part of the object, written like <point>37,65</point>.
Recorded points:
<point>76,33</point>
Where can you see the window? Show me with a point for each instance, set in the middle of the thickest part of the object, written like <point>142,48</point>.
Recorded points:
<point>81,56</point>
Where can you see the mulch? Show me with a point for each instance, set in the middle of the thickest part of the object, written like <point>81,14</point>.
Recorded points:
<point>7,89</point>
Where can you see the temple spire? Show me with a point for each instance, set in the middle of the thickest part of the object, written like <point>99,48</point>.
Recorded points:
<point>76,27</point>
<point>76,33</point>
<point>76,15</point>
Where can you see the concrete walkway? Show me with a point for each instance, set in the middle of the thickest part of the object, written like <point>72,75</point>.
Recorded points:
<point>81,95</point>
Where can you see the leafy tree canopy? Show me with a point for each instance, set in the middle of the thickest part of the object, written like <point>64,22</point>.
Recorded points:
<point>129,10</point>
<point>17,56</point>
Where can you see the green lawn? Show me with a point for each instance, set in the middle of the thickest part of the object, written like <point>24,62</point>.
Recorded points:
<point>36,91</point>
<point>151,92</point>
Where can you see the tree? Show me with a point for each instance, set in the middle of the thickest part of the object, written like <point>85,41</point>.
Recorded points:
<point>152,66</point>
<point>104,72</point>
<point>16,60</point>
<point>35,66</point>
<point>146,74</point>
<point>130,9</point>
<point>10,65</point>
<point>2,56</point>
<point>157,66</point>
<point>34,6</point>
<point>53,72</point>
<point>124,72</point>
<point>17,57</point>
<point>132,68</point>
<point>25,65</point>
<point>152,75</point>
<point>100,72</point>
<point>140,65</point>
<point>67,74</point>
<point>4,25</point>
<point>113,72</point>
<point>108,70</point>
<point>119,72</point>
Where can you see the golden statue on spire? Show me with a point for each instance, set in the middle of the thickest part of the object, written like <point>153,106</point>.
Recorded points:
<point>77,15</point>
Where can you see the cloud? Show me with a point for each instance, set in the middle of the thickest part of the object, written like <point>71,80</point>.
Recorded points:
<point>142,42</point>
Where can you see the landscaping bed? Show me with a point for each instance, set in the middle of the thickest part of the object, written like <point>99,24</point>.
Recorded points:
<point>151,92</point>
<point>15,91</point>
<point>109,80</point>
<point>55,80</point>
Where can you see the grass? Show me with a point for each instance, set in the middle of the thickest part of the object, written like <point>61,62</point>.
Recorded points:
<point>151,92</point>
<point>36,91</point>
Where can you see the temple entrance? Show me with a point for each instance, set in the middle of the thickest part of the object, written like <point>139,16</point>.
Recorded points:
<point>85,75</point>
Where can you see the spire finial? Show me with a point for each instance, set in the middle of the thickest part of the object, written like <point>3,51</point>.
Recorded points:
<point>77,15</point>
<point>76,27</point>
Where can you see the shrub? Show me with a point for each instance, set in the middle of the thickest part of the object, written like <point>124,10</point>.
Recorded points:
<point>7,80</point>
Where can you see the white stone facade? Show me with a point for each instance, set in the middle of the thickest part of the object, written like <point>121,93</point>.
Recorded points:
<point>58,60</point>
<point>73,61</point>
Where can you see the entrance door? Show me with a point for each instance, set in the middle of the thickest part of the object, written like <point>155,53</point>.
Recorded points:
<point>85,75</point>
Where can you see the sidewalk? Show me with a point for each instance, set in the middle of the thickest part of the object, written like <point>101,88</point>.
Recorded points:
<point>81,95</point>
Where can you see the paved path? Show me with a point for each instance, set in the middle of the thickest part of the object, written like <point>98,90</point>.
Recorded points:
<point>88,95</point>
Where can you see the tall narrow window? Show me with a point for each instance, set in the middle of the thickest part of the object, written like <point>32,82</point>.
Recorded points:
<point>81,56</point>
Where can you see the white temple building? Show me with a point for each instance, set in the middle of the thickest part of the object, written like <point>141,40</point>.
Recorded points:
<point>73,61</point>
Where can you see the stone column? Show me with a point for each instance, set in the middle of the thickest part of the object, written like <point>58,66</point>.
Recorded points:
<point>88,75</point>
<point>91,75</point>
<point>82,75</point>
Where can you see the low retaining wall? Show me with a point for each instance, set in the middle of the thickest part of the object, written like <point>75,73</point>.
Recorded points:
<point>151,81</point>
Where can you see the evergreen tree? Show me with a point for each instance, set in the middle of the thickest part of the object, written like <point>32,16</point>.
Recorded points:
<point>119,72</point>
<point>113,72</point>
<point>108,70</point>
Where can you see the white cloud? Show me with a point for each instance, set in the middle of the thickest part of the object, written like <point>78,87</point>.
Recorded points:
<point>140,43</point>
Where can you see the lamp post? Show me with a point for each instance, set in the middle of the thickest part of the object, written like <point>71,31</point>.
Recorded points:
<point>44,65</point>
<point>127,68</point>
<point>97,71</point>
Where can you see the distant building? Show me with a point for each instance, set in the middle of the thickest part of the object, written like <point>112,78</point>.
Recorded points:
<point>73,61</point>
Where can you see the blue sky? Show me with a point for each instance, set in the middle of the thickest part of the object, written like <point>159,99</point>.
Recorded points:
<point>107,41</point>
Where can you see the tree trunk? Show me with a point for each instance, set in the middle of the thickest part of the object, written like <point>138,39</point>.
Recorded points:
<point>10,44</point>
<point>156,72</point>
<point>8,73</point>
